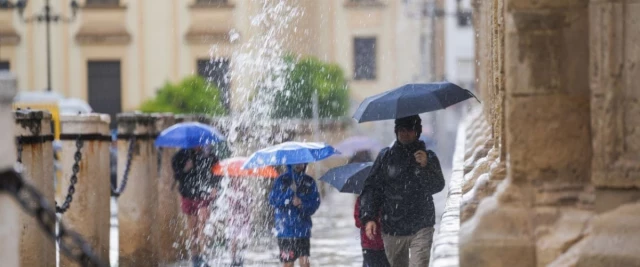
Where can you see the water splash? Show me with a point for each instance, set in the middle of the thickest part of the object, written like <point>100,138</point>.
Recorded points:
<point>259,71</point>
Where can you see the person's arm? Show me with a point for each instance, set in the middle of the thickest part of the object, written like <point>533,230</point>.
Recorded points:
<point>356,213</point>
<point>432,174</point>
<point>371,196</point>
<point>310,200</point>
<point>281,195</point>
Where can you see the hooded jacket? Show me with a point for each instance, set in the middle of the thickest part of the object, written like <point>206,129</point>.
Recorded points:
<point>403,190</point>
<point>292,221</point>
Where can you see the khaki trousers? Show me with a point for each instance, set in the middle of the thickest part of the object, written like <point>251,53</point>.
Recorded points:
<point>398,248</point>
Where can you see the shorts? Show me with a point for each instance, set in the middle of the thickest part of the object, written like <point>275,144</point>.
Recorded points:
<point>191,206</point>
<point>293,248</point>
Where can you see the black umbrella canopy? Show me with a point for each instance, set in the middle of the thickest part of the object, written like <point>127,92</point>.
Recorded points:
<point>411,99</point>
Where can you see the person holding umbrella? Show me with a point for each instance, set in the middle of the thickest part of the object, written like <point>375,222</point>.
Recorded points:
<point>294,195</point>
<point>295,198</point>
<point>406,175</point>
<point>373,254</point>
<point>401,184</point>
<point>350,178</point>
<point>197,185</point>
<point>198,189</point>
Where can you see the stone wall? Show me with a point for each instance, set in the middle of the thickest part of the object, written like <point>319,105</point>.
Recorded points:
<point>444,251</point>
<point>551,173</point>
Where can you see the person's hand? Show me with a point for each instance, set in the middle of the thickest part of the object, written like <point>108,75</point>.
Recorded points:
<point>188,165</point>
<point>370,229</point>
<point>421,158</point>
<point>297,201</point>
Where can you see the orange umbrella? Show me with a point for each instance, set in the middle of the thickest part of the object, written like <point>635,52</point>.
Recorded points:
<point>232,167</point>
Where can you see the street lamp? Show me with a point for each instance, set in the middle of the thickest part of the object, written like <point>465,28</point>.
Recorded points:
<point>45,16</point>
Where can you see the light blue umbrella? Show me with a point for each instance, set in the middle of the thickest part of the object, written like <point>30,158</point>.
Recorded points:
<point>289,153</point>
<point>189,135</point>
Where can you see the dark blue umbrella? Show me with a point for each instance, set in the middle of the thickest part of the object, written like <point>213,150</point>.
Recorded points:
<point>410,99</point>
<point>289,153</point>
<point>348,178</point>
<point>188,135</point>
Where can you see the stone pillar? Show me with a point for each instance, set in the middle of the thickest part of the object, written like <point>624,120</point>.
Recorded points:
<point>9,210</point>
<point>89,212</point>
<point>138,202</point>
<point>613,238</point>
<point>34,133</point>
<point>169,219</point>
<point>105,167</point>
<point>546,134</point>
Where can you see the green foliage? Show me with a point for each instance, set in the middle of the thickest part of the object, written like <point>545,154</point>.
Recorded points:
<point>192,95</point>
<point>306,76</point>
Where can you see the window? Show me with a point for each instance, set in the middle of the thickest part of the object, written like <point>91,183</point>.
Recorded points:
<point>216,71</point>
<point>463,13</point>
<point>464,18</point>
<point>105,88</point>
<point>103,2</point>
<point>364,52</point>
<point>4,65</point>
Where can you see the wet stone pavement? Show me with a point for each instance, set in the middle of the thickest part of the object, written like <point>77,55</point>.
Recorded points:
<point>335,239</point>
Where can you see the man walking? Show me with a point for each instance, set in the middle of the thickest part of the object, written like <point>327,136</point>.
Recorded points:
<point>401,183</point>
<point>295,198</point>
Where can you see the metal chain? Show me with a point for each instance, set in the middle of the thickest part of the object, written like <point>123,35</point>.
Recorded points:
<point>159,154</point>
<point>20,148</point>
<point>77,157</point>
<point>34,204</point>
<point>125,177</point>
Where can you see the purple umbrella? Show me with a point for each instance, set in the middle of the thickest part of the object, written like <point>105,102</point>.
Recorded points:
<point>351,145</point>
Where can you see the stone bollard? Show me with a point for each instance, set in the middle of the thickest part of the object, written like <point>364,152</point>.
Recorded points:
<point>170,226</point>
<point>89,212</point>
<point>137,203</point>
<point>35,151</point>
<point>9,211</point>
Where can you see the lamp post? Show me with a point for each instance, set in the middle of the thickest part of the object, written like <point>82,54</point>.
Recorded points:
<point>45,16</point>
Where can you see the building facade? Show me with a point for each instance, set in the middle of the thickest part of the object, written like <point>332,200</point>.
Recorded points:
<point>116,54</point>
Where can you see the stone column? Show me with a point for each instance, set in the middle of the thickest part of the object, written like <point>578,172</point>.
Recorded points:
<point>34,133</point>
<point>613,238</point>
<point>9,210</point>
<point>169,220</point>
<point>546,122</point>
<point>138,202</point>
<point>89,212</point>
<point>105,167</point>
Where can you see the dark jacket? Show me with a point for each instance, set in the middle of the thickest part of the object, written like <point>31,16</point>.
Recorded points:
<point>403,190</point>
<point>292,221</point>
<point>197,182</point>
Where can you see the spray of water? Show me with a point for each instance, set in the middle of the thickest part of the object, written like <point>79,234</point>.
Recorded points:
<point>240,217</point>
